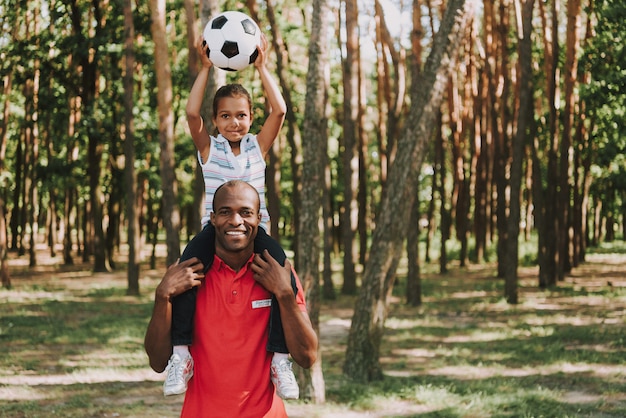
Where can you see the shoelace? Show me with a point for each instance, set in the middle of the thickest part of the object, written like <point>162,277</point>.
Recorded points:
<point>285,366</point>
<point>177,376</point>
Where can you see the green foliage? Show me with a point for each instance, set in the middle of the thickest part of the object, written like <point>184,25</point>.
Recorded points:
<point>604,59</point>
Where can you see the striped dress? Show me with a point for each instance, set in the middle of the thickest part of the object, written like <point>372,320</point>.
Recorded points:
<point>222,166</point>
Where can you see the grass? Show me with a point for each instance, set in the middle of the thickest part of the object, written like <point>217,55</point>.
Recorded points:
<point>73,348</point>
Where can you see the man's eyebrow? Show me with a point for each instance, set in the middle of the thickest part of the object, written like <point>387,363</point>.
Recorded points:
<point>230,208</point>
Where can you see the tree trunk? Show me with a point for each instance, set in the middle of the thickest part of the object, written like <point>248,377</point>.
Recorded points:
<point>197,209</point>
<point>525,119</point>
<point>572,45</point>
<point>548,233</point>
<point>5,277</point>
<point>584,156</point>
<point>130,175</point>
<point>460,191</point>
<point>481,163</point>
<point>170,210</point>
<point>362,354</point>
<point>413,279</point>
<point>444,213</point>
<point>313,183</point>
<point>328,287</point>
<point>31,156</point>
<point>349,153</point>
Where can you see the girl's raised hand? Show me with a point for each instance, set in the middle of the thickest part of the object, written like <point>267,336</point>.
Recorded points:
<point>202,47</point>
<point>262,48</point>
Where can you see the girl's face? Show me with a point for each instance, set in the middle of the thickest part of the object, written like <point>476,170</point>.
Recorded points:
<point>233,118</point>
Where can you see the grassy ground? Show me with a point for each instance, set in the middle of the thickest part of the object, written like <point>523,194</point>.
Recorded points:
<point>72,345</point>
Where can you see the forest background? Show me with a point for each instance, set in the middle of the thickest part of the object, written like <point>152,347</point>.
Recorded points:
<point>424,130</point>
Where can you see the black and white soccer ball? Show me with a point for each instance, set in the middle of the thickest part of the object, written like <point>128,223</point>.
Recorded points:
<point>232,39</point>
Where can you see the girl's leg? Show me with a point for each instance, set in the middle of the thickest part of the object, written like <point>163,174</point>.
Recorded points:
<point>276,342</point>
<point>202,246</point>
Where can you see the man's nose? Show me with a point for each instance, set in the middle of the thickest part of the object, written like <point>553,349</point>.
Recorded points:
<point>236,219</point>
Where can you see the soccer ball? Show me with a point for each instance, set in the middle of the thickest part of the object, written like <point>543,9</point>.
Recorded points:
<point>232,39</point>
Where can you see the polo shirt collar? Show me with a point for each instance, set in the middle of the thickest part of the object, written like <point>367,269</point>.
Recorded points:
<point>219,264</point>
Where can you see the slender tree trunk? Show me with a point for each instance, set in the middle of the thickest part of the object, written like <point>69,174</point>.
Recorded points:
<point>31,157</point>
<point>481,156</point>
<point>197,209</point>
<point>444,212</point>
<point>555,219</point>
<point>69,198</point>
<point>362,354</point>
<point>413,279</point>
<point>584,155</point>
<point>313,183</point>
<point>432,227</point>
<point>524,13</point>
<point>349,155</point>
<point>130,175</point>
<point>5,276</point>
<point>328,290</point>
<point>529,205</point>
<point>545,208</point>
<point>170,211</point>
<point>493,129</point>
<point>572,45</point>
<point>460,192</point>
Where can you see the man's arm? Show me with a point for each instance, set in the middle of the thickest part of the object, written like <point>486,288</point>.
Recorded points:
<point>178,278</point>
<point>299,334</point>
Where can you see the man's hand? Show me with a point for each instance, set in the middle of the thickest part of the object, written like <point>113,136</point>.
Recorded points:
<point>299,334</point>
<point>271,275</point>
<point>179,278</point>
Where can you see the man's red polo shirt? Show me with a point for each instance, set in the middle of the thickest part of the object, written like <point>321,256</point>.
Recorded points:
<point>232,366</point>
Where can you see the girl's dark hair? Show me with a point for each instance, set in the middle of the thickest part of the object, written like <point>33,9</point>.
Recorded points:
<point>230,90</point>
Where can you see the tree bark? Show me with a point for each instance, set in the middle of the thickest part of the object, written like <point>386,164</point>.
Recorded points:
<point>170,210</point>
<point>413,279</point>
<point>130,175</point>
<point>313,183</point>
<point>548,256</point>
<point>349,153</point>
<point>5,276</point>
<point>524,12</point>
<point>572,45</point>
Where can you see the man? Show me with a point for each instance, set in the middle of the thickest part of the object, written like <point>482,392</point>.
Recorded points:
<point>232,365</point>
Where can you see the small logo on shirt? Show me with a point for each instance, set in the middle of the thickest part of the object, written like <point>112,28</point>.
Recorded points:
<point>263,303</point>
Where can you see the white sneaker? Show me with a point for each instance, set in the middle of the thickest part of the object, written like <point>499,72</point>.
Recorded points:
<point>179,371</point>
<point>284,380</point>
